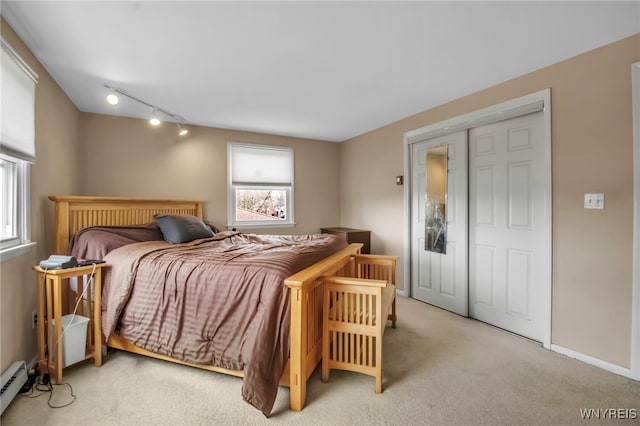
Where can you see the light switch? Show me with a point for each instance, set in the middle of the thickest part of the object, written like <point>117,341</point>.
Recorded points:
<point>594,201</point>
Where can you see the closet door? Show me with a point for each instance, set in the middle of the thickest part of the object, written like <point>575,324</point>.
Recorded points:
<point>508,225</point>
<point>441,278</point>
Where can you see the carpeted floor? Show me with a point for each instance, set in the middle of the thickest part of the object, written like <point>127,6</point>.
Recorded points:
<point>439,369</point>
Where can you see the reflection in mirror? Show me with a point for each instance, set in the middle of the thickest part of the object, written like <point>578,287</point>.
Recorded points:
<point>436,200</point>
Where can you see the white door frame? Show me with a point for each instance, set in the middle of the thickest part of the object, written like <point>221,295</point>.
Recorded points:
<point>526,104</point>
<point>635,303</point>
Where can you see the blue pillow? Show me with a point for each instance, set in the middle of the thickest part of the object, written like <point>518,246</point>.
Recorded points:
<point>182,228</point>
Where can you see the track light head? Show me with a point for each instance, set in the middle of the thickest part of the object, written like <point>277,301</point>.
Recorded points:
<point>113,99</point>
<point>182,131</point>
<point>155,121</point>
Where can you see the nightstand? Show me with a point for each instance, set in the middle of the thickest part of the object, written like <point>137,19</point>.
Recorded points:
<point>50,316</point>
<point>352,235</point>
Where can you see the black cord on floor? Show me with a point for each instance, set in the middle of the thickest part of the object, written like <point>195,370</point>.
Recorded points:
<point>43,385</point>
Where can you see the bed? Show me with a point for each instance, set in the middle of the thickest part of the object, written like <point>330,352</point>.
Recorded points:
<point>303,290</point>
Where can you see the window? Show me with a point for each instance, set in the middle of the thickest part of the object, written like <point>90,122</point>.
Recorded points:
<point>14,190</point>
<point>260,190</point>
<point>17,151</point>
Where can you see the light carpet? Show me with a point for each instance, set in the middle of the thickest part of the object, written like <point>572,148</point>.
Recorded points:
<point>439,369</point>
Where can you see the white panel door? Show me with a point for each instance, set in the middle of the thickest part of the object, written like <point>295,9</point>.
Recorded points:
<point>441,279</point>
<point>508,225</point>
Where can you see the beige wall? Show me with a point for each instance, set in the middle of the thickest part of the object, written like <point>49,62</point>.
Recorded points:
<point>56,149</point>
<point>129,157</point>
<point>591,152</point>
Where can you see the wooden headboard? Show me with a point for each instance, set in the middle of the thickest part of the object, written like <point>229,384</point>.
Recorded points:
<point>74,213</point>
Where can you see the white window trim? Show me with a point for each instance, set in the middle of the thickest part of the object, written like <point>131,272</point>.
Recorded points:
<point>231,194</point>
<point>24,243</point>
<point>16,251</point>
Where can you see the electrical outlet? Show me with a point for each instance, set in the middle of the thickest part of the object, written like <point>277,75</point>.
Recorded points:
<point>34,318</point>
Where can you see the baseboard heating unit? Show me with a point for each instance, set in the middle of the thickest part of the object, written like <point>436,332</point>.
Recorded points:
<point>12,380</point>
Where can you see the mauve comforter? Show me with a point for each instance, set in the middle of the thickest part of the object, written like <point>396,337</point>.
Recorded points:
<point>219,301</point>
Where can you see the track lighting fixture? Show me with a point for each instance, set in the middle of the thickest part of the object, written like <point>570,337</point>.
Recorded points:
<point>112,98</point>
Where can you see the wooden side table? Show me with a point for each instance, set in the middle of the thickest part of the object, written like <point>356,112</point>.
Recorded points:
<point>352,235</point>
<point>50,284</point>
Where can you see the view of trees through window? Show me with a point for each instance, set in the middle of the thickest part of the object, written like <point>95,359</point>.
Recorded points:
<point>260,204</point>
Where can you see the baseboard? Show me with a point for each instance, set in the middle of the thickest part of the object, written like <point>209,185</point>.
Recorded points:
<point>622,371</point>
<point>402,293</point>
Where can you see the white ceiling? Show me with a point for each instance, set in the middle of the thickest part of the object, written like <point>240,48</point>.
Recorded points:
<point>323,70</point>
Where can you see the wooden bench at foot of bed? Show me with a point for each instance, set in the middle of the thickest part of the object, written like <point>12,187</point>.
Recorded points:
<point>355,314</point>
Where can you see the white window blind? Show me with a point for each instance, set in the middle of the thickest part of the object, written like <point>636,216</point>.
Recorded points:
<point>257,165</point>
<point>260,186</point>
<point>17,106</point>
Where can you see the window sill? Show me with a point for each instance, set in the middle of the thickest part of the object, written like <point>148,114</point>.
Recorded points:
<point>15,251</point>
<point>261,225</point>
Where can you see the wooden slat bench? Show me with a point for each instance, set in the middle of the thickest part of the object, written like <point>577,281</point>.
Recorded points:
<point>356,311</point>
<point>378,267</point>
